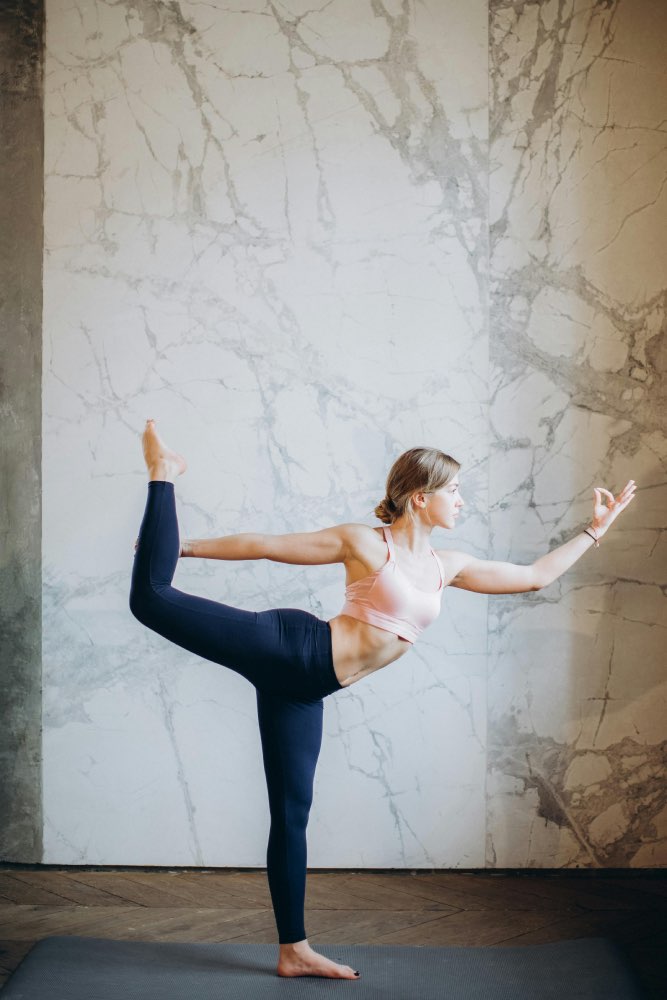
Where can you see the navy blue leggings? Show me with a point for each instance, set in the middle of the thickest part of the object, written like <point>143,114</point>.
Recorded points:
<point>285,653</point>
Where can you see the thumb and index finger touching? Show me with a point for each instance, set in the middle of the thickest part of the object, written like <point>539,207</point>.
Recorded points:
<point>624,497</point>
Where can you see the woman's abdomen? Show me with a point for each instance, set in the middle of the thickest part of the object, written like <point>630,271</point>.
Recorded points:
<point>360,649</point>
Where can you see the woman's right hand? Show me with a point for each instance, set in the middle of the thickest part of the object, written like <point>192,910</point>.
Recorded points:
<point>604,514</point>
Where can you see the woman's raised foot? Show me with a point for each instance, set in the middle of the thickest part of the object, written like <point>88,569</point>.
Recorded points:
<point>162,463</point>
<point>300,960</point>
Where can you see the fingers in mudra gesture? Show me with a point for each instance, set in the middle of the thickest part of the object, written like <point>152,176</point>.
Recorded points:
<point>605,512</point>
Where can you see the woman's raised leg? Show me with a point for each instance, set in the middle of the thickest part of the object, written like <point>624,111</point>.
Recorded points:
<point>291,732</point>
<point>214,631</point>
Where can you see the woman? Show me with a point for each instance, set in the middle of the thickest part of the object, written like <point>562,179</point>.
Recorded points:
<point>395,582</point>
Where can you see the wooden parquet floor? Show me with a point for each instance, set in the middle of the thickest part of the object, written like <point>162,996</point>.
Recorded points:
<point>442,908</point>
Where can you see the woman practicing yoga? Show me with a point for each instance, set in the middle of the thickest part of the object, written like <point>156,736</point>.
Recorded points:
<point>395,582</point>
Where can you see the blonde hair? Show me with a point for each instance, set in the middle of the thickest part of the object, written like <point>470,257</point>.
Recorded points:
<point>417,470</point>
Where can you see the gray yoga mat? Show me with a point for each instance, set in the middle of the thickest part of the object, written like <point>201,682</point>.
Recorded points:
<point>80,968</point>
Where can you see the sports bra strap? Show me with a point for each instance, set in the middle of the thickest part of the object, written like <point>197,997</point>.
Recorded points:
<point>390,542</point>
<point>440,571</point>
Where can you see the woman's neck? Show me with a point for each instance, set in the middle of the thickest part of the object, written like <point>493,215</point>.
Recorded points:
<point>412,535</point>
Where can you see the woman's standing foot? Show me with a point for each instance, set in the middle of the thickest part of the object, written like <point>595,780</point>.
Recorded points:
<point>299,959</point>
<point>163,464</point>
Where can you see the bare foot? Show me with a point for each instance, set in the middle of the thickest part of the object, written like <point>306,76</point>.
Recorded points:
<point>300,960</point>
<point>162,463</point>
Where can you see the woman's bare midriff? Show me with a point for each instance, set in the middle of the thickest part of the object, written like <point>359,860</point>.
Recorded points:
<point>360,649</point>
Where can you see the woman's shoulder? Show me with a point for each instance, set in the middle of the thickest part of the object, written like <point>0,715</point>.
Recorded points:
<point>362,540</point>
<point>361,532</point>
<point>452,562</point>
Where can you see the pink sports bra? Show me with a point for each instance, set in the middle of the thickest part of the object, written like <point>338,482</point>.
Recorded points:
<point>388,599</point>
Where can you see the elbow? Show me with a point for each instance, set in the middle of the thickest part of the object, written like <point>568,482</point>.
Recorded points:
<point>266,547</point>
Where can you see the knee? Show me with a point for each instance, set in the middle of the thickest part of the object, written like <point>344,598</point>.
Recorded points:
<point>142,602</point>
<point>137,604</point>
<point>148,604</point>
<point>295,812</point>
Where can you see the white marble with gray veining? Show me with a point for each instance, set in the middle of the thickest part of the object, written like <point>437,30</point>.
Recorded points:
<point>272,225</point>
<point>265,227</point>
<point>576,688</point>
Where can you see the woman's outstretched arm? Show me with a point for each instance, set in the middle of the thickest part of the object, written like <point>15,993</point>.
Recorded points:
<point>487,577</point>
<point>308,548</point>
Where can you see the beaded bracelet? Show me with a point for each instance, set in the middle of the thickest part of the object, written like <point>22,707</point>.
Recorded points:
<point>589,532</point>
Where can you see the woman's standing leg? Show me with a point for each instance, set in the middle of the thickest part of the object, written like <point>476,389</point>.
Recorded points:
<point>291,732</point>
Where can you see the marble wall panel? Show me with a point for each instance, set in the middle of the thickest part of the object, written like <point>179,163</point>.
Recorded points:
<point>265,227</point>
<point>578,207</point>
<point>268,226</point>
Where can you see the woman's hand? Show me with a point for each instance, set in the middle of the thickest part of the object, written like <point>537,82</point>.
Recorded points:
<point>604,514</point>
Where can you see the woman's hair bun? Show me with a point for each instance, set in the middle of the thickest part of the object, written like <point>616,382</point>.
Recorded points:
<point>385,510</point>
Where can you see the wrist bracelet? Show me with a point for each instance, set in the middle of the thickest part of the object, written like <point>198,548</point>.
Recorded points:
<point>589,532</point>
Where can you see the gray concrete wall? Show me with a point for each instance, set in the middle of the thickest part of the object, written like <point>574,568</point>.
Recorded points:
<point>21,171</point>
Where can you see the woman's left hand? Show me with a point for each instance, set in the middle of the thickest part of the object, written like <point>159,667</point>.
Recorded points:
<point>604,514</point>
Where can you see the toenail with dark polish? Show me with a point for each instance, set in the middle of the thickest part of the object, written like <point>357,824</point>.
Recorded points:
<point>357,973</point>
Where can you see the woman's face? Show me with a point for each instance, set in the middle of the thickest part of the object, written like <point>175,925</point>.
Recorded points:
<point>443,506</point>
